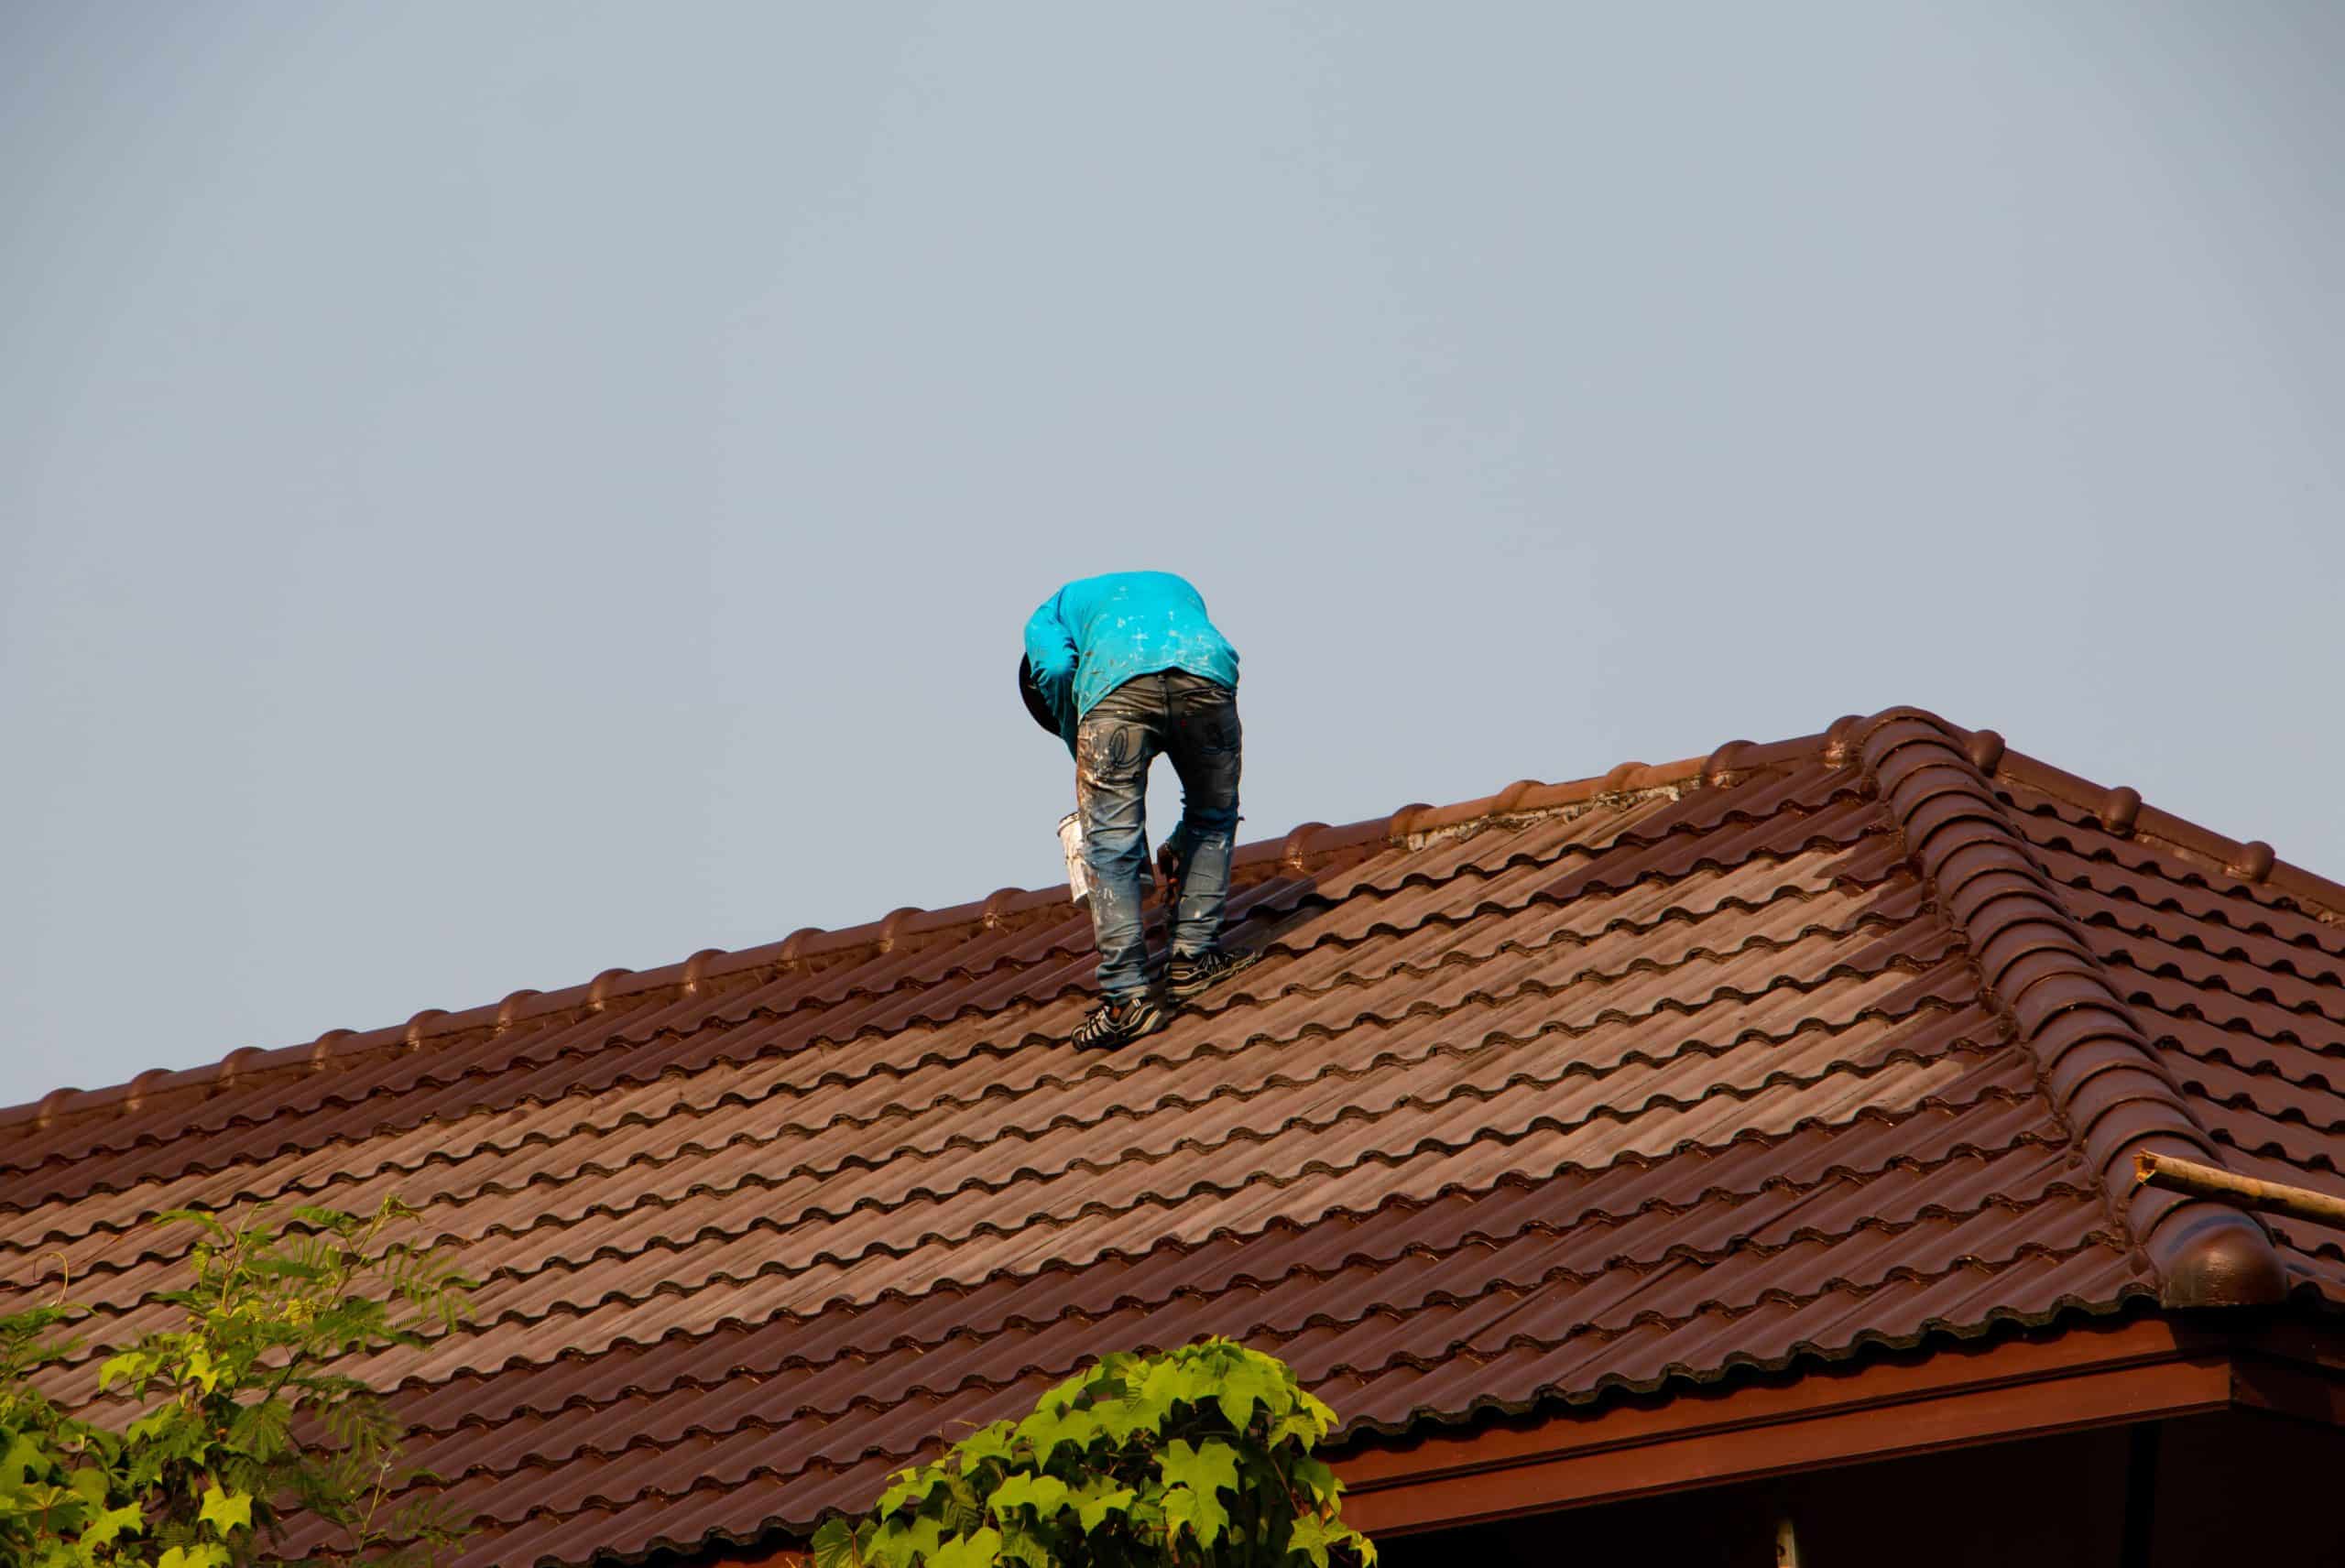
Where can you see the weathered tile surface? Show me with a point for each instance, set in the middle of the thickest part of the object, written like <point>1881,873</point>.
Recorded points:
<point>1580,1088</point>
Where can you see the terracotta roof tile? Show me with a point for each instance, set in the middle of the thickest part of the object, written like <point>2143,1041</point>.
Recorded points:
<point>1764,1058</point>
<point>2238,979</point>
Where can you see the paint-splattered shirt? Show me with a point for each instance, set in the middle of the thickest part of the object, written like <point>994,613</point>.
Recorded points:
<point>1094,635</point>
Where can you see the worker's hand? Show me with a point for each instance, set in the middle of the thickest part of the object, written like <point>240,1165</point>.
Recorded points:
<point>1170,866</point>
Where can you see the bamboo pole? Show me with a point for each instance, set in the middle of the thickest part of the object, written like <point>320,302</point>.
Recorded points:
<point>2210,1182</point>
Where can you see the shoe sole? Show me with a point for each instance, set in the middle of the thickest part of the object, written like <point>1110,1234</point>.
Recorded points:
<point>1156,1019</point>
<point>1199,988</point>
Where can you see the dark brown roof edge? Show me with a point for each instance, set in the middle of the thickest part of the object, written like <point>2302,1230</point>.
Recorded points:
<point>2121,813</point>
<point>2096,1066</point>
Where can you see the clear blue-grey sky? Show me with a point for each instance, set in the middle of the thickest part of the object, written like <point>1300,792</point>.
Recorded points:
<point>490,492</point>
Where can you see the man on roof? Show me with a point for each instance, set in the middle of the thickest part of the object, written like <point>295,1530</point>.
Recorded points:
<point>1124,667</point>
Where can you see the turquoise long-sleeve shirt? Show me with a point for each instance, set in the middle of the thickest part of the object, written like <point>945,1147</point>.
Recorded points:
<point>1094,635</point>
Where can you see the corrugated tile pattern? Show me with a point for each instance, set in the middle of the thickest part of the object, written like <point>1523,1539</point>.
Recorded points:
<point>1578,1088</point>
<point>2239,985</point>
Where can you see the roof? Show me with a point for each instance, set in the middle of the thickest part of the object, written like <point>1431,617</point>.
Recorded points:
<point>1758,1060</point>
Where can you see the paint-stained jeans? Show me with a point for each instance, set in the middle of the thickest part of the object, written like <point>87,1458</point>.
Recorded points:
<point>1195,722</point>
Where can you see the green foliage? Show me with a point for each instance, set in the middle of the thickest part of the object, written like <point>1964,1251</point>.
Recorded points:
<point>241,1423</point>
<point>1200,1456</point>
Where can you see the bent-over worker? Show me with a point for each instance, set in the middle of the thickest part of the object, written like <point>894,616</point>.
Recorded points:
<point>1123,667</point>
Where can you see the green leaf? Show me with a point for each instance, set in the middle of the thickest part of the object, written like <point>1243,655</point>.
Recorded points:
<point>260,1431</point>
<point>986,1443</point>
<point>226,1511</point>
<point>1047,1428</point>
<point>964,1510</point>
<point>1121,1413</point>
<point>978,1550</point>
<point>1129,1446</point>
<point>1201,1513</point>
<point>24,1457</point>
<point>1303,1428</point>
<point>1170,1381</point>
<point>148,1428</point>
<point>1317,1478</point>
<point>1064,1393</point>
<point>1251,1381</point>
<point>123,1366</point>
<point>1097,1499</point>
<point>911,1487</point>
<point>1019,1544</point>
<point>210,1554</point>
<point>899,1544</point>
<point>1046,1495</point>
<point>99,1531</point>
<point>1315,1537</point>
<point>89,1483</point>
<point>1195,1479</point>
<point>193,1217</point>
<point>1211,1468</point>
<point>835,1545</point>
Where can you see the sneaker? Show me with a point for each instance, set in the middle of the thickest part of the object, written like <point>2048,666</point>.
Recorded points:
<point>1188,977</point>
<point>1112,1024</point>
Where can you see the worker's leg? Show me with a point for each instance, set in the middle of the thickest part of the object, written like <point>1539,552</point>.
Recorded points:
<point>1206,745</point>
<point>1114,745</point>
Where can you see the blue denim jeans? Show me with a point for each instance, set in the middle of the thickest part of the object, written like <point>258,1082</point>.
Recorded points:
<point>1195,722</point>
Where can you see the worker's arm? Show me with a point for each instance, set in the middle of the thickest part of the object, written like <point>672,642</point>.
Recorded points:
<point>1050,651</point>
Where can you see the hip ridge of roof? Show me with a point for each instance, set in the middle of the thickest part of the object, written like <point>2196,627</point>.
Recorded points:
<point>2093,1062</point>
